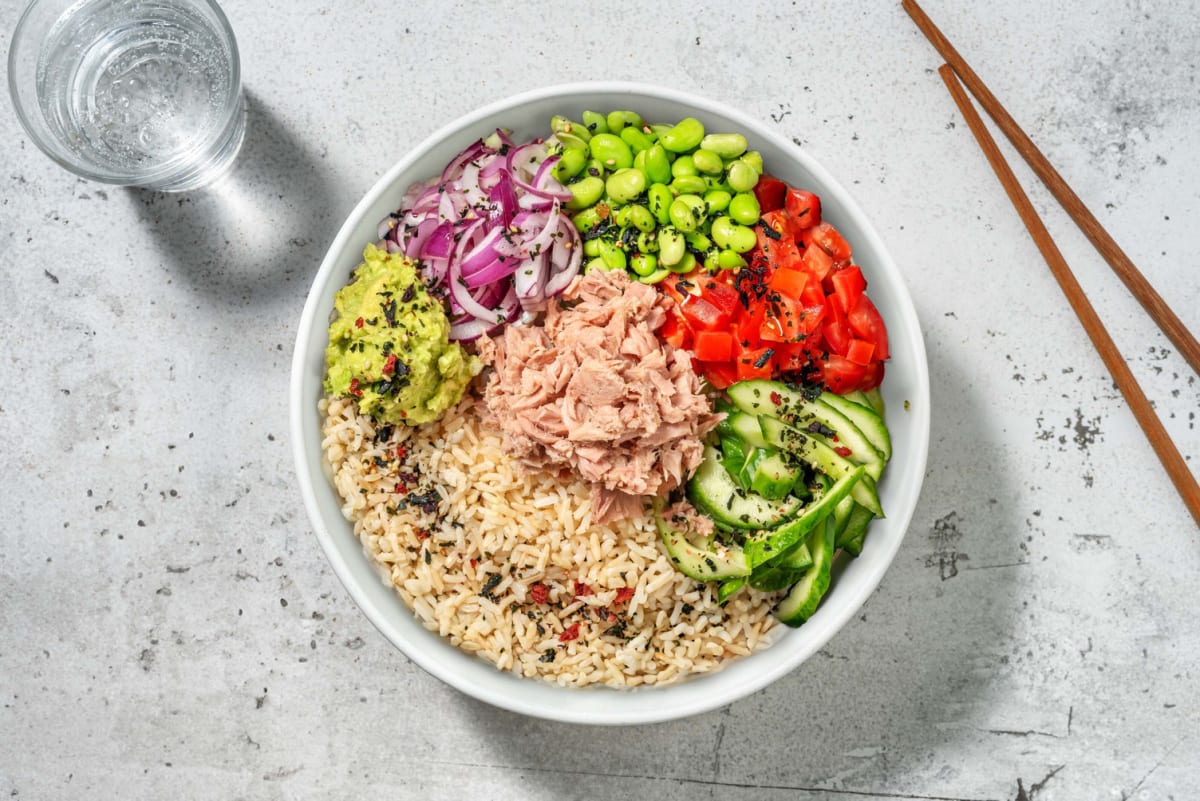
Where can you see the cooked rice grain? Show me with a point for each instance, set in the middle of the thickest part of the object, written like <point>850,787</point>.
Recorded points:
<point>467,571</point>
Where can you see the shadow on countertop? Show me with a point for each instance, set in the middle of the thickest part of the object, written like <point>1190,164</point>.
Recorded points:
<point>257,235</point>
<point>882,708</point>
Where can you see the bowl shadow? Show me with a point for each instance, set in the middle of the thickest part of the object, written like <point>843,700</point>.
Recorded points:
<point>887,697</point>
<point>257,229</point>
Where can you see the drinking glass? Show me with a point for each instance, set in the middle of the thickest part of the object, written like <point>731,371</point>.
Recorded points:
<point>130,92</point>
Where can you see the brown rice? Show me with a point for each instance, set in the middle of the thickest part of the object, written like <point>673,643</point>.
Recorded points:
<point>468,570</point>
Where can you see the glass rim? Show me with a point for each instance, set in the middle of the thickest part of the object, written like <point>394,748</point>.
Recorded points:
<point>25,115</point>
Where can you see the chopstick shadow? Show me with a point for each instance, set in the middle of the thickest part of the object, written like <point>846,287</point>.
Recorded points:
<point>909,677</point>
<point>257,234</point>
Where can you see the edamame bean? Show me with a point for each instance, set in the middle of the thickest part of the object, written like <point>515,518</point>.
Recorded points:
<point>624,186</point>
<point>647,241</point>
<point>614,258</point>
<point>639,161</point>
<point>717,199</point>
<point>708,162</point>
<point>730,260</point>
<point>717,182</point>
<point>644,264</point>
<point>595,264</point>
<point>658,166</point>
<point>742,239</point>
<point>671,246</point>
<point>688,212</point>
<point>744,208</point>
<point>616,121</point>
<point>725,145</point>
<point>712,261</point>
<point>685,265</point>
<point>754,159</point>
<point>742,176</point>
<point>684,165</point>
<point>638,216</point>
<point>684,136</point>
<point>561,125</point>
<point>591,248</point>
<point>689,185</point>
<point>585,192</point>
<point>595,122</point>
<point>595,169</point>
<point>659,198</point>
<point>721,230</point>
<point>586,220</point>
<point>570,141</point>
<point>655,277</point>
<point>697,241</point>
<point>570,163</point>
<point>610,151</point>
<point>636,140</point>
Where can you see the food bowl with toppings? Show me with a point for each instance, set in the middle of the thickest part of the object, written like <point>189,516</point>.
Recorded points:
<point>609,405</point>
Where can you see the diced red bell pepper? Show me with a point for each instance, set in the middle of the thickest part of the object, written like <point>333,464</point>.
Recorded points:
<point>719,374</point>
<point>817,261</point>
<point>755,363</point>
<point>721,295</point>
<point>828,238</point>
<point>848,286</point>
<point>675,331</point>
<point>702,315</point>
<point>713,346</point>
<point>860,351</point>
<point>787,281</point>
<point>803,206</point>
<point>842,375</point>
<point>770,192</point>
<point>866,321</point>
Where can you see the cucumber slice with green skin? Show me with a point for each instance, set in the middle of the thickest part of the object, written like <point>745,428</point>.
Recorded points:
<point>728,587</point>
<point>746,426</point>
<point>713,491</point>
<point>783,571</point>
<point>772,477</point>
<point>875,401</point>
<point>699,563</point>
<point>778,400</point>
<point>799,558</point>
<point>851,537</point>
<point>810,448</point>
<point>805,596</point>
<point>769,545</point>
<point>866,419</point>
<point>841,515</point>
<point>733,455</point>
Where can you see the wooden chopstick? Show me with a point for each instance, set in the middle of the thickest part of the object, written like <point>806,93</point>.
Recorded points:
<point>1160,440</point>
<point>1121,264</point>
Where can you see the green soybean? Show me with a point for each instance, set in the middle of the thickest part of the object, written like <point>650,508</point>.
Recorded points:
<point>610,151</point>
<point>684,165</point>
<point>595,122</point>
<point>570,141</point>
<point>721,230</point>
<point>684,136</point>
<point>671,246</point>
<point>688,212</point>
<point>591,248</point>
<point>659,198</point>
<point>562,125</point>
<point>637,141</point>
<point>570,163</point>
<point>744,208</point>
<point>742,239</point>
<point>639,161</point>
<point>689,185</point>
<point>725,145</point>
<point>717,199</point>
<point>586,220</point>
<point>754,159</point>
<point>595,264</point>
<point>730,260</point>
<point>638,216</point>
<point>742,176</point>
<point>712,260</point>
<point>621,119</point>
<point>655,277</point>
<point>624,186</point>
<point>647,241</point>
<point>697,241</point>
<point>685,264</point>
<point>708,162</point>
<point>585,192</point>
<point>658,166</point>
<point>644,264</point>
<point>614,258</point>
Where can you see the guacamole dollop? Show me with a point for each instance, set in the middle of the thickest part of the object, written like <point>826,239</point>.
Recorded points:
<point>389,344</point>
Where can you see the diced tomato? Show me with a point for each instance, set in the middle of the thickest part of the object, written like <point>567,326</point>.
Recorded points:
<point>755,363</point>
<point>796,357</point>
<point>775,240</point>
<point>814,292</point>
<point>719,294</point>
<point>787,321</point>
<point>864,318</point>
<point>675,331</point>
<point>803,206</point>
<point>860,351</point>
<point>787,281</point>
<point>818,261</point>
<point>719,374</point>
<point>837,337</point>
<point>828,238</point>
<point>770,192</point>
<point>842,375</point>
<point>848,286</point>
<point>749,323</point>
<point>713,346</point>
<point>702,315</point>
<point>873,376</point>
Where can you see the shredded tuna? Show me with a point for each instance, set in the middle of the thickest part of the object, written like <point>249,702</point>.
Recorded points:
<point>594,391</point>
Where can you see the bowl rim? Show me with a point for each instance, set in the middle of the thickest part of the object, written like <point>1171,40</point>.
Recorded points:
<point>619,712</point>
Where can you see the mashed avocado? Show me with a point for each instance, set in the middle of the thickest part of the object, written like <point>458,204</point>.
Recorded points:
<point>389,345</point>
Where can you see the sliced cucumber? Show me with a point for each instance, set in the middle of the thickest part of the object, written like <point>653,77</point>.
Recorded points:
<point>733,455</point>
<point>806,595</point>
<point>713,491</point>
<point>866,419</point>
<point>728,587</point>
<point>772,476</point>
<point>851,537</point>
<point>699,563</point>
<point>746,426</point>
<point>769,545</point>
<point>812,449</point>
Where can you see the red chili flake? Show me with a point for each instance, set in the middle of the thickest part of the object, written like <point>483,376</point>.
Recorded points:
<point>612,618</point>
<point>582,589</point>
<point>775,399</point>
<point>400,489</point>
<point>358,323</point>
<point>571,632</point>
<point>623,595</point>
<point>354,390</point>
<point>401,452</point>
<point>842,451</point>
<point>389,366</point>
<point>474,563</point>
<point>422,534</point>
<point>540,593</point>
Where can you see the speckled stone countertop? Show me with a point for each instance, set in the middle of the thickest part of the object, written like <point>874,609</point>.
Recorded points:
<point>169,627</point>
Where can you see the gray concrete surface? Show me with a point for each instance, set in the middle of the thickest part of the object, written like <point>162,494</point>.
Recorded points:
<point>169,627</point>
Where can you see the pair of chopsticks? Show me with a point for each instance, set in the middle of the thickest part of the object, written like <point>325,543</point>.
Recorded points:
<point>956,72</point>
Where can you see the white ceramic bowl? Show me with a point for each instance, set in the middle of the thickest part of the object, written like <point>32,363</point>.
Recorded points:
<point>905,389</point>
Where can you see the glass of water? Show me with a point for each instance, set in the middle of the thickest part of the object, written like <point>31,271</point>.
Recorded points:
<point>130,92</point>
